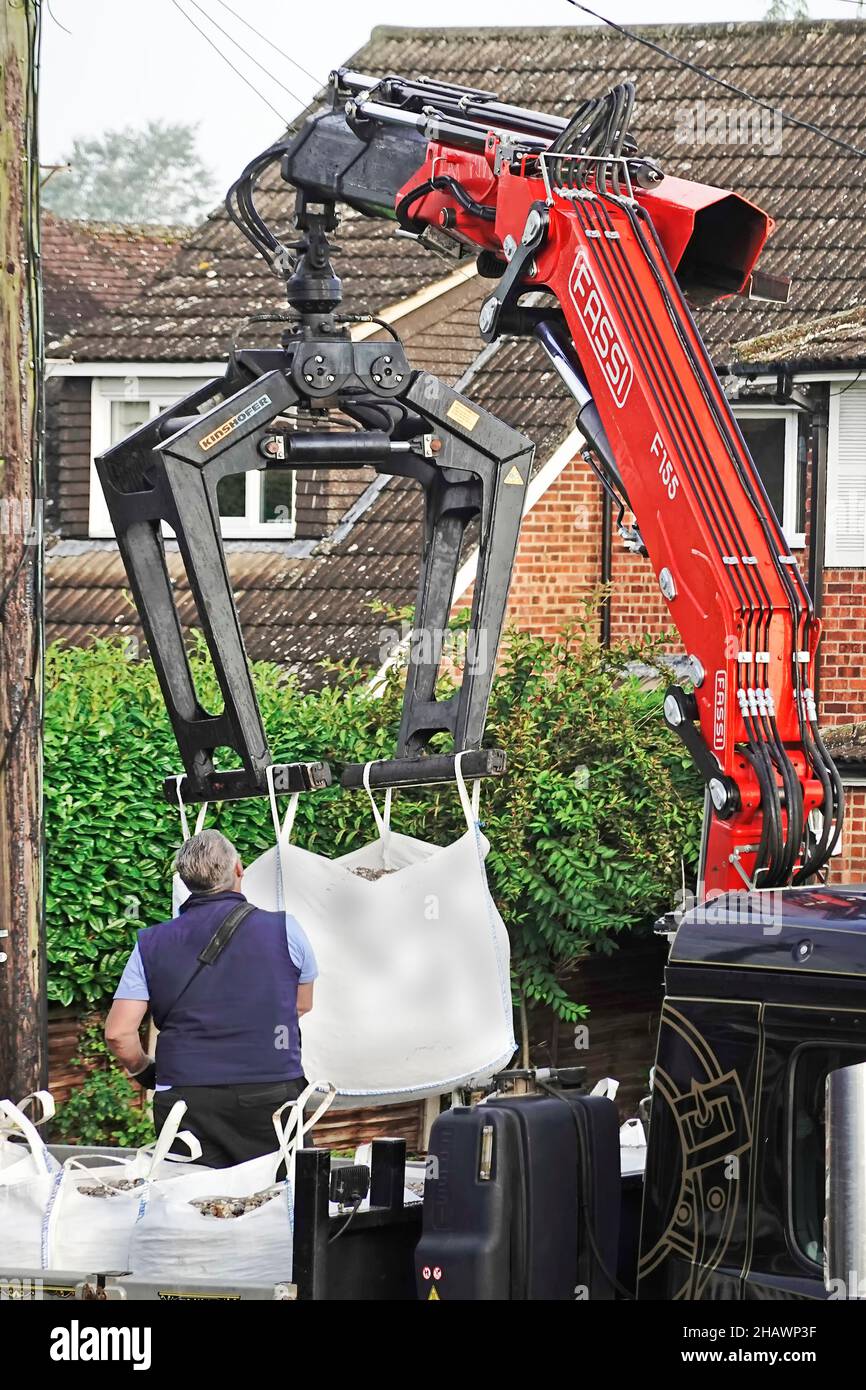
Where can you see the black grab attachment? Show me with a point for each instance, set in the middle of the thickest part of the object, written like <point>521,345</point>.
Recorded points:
<point>473,470</point>
<point>232,784</point>
<point>421,772</point>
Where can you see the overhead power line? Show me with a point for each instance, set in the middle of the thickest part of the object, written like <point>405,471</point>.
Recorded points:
<point>288,57</point>
<point>252,86</point>
<point>720,81</point>
<point>247,54</point>
<point>56,20</point>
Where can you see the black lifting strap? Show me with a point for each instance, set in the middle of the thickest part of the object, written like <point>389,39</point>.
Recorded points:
<point>211,953</point>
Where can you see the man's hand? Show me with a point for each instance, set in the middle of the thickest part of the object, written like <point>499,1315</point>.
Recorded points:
<point>146,1078</point>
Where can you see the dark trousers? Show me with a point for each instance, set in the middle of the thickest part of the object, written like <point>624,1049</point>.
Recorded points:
<point>232,1123</point>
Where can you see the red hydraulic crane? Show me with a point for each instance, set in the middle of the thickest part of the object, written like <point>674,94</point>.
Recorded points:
<point>594,251</point>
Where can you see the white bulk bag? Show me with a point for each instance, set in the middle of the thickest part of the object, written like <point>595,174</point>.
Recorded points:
<point>12,1150</point>
<point>173,1238</point>
<point>28,1179</point>
<point>414,993</point>
<point>94,1209</point>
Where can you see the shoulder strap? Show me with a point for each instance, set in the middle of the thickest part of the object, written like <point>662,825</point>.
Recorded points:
<point>214,949</point>
<point>224,933</point>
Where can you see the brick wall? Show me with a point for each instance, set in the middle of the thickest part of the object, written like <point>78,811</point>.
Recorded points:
<point>843,646</point>
<point>636,604</point>
<point>849,866</point>
<point>559,553</point>
<point>558,565</point>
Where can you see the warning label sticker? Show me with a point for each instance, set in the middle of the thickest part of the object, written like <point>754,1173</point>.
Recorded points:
<point>461,414</point>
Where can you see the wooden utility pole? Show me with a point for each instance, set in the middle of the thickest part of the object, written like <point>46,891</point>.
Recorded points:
<point>23,1060</point>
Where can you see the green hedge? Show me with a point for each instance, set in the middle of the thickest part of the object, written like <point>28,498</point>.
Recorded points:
<point>588,831</point>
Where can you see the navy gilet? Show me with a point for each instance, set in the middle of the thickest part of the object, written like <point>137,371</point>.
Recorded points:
<point>238,1020</point>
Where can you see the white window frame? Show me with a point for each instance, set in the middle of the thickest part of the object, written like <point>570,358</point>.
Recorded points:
<point>162,389</point>
<point>790,414</point>
<point>834,556</point>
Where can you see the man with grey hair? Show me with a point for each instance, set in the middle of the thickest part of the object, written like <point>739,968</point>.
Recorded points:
<point>226,984</point>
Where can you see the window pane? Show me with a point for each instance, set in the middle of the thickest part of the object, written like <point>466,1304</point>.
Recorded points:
<point>127,416</point>
<point>232,495</point>
<point>807,1143</point>
<point>276,496</point>
<point>803,432</point>
<point>765,436</point>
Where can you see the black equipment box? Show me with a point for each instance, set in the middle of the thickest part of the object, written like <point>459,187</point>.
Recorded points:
<point>522,1201</point>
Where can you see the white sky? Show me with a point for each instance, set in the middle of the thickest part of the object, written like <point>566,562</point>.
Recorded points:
<point>125,62</point>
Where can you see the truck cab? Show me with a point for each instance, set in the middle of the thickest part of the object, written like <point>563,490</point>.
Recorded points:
<point>533,1197</point>
<point>764,998</point>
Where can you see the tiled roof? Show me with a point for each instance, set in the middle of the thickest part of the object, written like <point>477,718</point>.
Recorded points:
<point>296,611</point>
<point>90,267</point>
<point>304,610</point>
<point>847,744</point>
<point>845,739</point>
<point>813,68</point>
<point>837,340</point>
<point>192,309</point>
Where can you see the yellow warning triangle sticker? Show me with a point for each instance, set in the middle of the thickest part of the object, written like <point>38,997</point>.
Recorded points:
<point>515,478</point>
<point>433,1296</point>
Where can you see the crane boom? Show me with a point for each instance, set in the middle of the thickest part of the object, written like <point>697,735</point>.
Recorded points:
<point>569,212</point>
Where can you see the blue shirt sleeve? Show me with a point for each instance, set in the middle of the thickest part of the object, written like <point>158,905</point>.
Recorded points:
<point>300,950</point>
<point>133,982</point>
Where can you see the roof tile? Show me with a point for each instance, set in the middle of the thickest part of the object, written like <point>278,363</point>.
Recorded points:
<point>89,267</point>
<point>813,68</point>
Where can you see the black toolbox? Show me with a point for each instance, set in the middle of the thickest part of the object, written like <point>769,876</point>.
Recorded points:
<point>522,1200</point>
